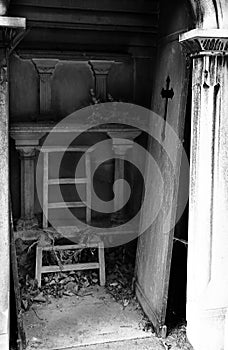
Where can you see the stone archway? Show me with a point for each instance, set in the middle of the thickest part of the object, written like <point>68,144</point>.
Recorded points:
<point>210,14</point>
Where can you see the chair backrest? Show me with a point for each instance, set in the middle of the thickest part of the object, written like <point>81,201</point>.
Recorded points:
<point>48,152</point>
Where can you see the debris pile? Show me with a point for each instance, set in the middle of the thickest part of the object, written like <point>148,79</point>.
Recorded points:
<point>120,275</point>
<point>69,284</point>
<point>57,285</point>
<point>177,339</point>
<point>119,263</point>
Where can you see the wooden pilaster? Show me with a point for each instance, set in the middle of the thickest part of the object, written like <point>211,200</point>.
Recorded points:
<point>101,70</point>
<point>45,68</point>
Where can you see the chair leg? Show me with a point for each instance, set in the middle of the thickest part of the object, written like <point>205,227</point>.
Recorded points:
<point>101,263</point>
<point>38,264</point>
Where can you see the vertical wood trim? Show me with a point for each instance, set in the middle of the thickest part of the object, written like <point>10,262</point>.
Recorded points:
<point>134,79</point>
<point>88,187</point>
<point>101,70</point>
<point>101,263</point>
<point>38,264</point>
<point>45,191</point>
<point>45,93</point>
<point>46,69</point>
<point>16,287</point>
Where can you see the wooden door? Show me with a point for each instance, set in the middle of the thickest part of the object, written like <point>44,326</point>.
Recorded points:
<point>153,263</point>
<point>154,250</point>
<point>155,245</point>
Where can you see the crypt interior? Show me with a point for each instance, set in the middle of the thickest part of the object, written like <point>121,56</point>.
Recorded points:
<point>65,59</point>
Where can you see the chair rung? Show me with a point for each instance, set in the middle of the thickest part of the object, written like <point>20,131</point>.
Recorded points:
<point>70,267</point>
<point>40,269</point>
<point>71,246</point>
<point>68,181</point>
<point>66,205</point>
<point>49,149</point>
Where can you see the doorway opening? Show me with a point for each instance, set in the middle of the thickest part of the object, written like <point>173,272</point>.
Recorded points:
<point>71,308</point>
<point>177,296</point>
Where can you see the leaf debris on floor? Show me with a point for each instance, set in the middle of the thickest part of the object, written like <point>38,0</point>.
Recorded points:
<point>177,339</point>
<point>119,282</point>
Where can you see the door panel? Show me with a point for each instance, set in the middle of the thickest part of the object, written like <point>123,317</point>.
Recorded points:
<point>154,250</point>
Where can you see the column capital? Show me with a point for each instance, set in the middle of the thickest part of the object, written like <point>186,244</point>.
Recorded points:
<point>123,140</point>
<point>101,67</point>
<point>202,42</point>
<point>24,138</point>
<point>26,152</point>
<point>45,66</point>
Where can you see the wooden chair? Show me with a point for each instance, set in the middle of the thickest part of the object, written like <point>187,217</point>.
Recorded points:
<point>47,206</point>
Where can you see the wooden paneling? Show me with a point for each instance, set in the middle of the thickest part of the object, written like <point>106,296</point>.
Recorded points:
<point>129,6</point>
<point>88,37</point>
<point>43,14</point>
<point>117,24</point>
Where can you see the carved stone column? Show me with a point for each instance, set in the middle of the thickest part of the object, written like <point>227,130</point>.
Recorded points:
<point>13,25</point>
<point>101,70</point>
<point>122,142</point>
<point>27,144</point>
<point>45,68</point>
<point>207,290</point>
<point>4,212</point>
<point>27,157</point>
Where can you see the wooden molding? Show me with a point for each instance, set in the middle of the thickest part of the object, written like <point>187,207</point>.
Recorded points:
<point>45,68</point>
<point>77,56</point>
<point>101,70</point>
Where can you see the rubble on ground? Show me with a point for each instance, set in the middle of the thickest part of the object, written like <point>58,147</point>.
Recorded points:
<point>177,339</point>
<point>119,283</point>
<point>120,275</point>
<point>119,272</point>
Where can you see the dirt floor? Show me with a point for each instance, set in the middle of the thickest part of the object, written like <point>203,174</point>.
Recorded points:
<point>71,311</point>
<point>94,321</point>
<point>94,318</point>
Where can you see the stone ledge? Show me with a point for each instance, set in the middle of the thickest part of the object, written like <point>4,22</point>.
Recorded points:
<point>206,41</point>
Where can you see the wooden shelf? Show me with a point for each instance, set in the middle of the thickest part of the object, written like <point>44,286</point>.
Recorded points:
<point>79,149</point>
<point>13,22</point>
<point>66,205</point>
<point>68,181</point>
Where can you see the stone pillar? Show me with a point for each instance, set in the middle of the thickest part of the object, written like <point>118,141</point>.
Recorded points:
<point>207,289</point>
<point>101,70</point>
<point>27,145</point>
<point>27,157</point>
<point>122,142</point>
<point>45,68</point>
<point>4,212</point>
